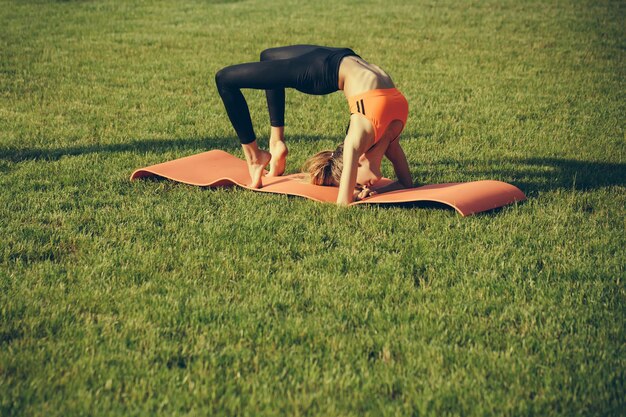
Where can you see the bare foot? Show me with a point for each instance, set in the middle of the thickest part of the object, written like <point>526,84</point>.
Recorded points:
<point>256,167</point>
<point>279,152</point>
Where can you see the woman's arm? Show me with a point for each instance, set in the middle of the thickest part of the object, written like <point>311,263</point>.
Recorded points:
<point>357,140</point>
<point>351,153</point>
<point>394,186</point>
<point>396,155</point>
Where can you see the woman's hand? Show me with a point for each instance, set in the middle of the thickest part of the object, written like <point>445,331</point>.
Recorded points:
<point>362,192</point>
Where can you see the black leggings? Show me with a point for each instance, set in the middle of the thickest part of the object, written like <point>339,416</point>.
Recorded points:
<point>310,69</point>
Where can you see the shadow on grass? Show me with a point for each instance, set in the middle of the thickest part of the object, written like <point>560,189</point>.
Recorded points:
<point>15,154</point>
<point>544,174</point>
<point>138,146</point>
<point>432,205</point>
<point>531,175</point>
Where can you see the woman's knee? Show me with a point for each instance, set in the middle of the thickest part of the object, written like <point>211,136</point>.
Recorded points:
<point>222,77</point>
<point>266,55</point>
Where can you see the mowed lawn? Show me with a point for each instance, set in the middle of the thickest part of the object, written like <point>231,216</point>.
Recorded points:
<point>151,297</point>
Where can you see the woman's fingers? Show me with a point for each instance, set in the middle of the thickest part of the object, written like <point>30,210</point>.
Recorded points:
<point>364,193</point>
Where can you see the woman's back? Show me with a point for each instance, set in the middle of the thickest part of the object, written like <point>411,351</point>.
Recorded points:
<point>357,76</point>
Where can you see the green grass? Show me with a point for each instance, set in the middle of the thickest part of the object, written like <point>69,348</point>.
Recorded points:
<point>142,298</point>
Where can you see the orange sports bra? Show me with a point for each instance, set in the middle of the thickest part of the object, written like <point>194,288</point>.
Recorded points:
<point>380,107</point>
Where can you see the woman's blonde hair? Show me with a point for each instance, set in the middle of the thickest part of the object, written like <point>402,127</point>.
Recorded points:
<point>324,168</point>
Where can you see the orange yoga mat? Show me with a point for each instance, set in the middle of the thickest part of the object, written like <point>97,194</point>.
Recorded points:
<point>218,168</point>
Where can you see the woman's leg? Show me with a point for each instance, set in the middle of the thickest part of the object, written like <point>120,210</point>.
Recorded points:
<point>276,97</point>
<point>279,68</point>
<point>276,107</point>
<point>265,75</point>
<point>231,80</point>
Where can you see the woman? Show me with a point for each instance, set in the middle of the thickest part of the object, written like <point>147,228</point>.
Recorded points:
<point>378,115</point>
